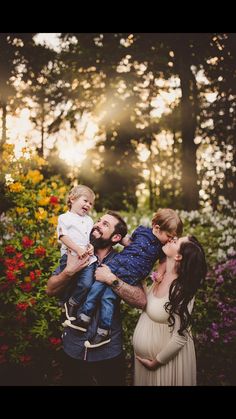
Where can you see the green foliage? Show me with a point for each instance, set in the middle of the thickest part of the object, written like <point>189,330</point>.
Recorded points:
<point>30,321</point>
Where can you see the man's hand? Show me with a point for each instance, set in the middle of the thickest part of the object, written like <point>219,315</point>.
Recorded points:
<point>74,264</point>
<point>104,274</point>
<point>150,364</point>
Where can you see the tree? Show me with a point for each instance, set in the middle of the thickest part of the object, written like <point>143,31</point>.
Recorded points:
<point>220,70</point>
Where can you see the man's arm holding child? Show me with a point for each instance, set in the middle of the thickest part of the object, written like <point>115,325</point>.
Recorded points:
<point>134,295</point>
<point>57,283</point>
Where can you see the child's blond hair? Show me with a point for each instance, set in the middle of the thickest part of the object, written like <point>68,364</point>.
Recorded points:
<point>78,191</point>
<point>168,220</point>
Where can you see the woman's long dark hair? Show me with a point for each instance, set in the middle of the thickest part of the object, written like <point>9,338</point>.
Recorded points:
<point>191,273</point>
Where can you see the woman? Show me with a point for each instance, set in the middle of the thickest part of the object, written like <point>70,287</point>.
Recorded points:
<point>163,345</point>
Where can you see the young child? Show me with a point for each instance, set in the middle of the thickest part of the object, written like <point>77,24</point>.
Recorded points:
<point>73,231</point>
<point>132,265</point>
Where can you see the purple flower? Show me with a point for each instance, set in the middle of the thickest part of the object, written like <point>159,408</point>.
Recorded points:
<point>154,276</point>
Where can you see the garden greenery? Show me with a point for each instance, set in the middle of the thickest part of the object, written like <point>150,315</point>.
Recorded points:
<point>30,321</point>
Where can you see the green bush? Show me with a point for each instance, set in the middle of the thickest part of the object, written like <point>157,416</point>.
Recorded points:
<point>29,325</point>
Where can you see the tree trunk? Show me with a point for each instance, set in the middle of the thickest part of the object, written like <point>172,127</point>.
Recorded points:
<point>41,148</point>
<point>151,185</point>
<point>4,126</point>
<point>188,127</point>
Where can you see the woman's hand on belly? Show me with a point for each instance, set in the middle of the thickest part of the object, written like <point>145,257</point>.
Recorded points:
<point>150,364</point>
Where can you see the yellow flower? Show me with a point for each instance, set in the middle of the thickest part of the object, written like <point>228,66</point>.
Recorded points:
<point>16,187</point>
<point>53,240</point>
<point>62,191</point>
<point>41,214</point>
<point>27,279</point>
<point>57,209</point>
<point>21,210</point>
<point>43,192</point>
<point>53,220</point>
<point>54,185</point>
<point>34,176</point>
<point>43,201</point>
<point>40,161</point>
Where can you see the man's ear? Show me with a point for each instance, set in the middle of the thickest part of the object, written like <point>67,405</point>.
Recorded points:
<point>116,238</point>
<point>178,257</point>
<point>156,226</point>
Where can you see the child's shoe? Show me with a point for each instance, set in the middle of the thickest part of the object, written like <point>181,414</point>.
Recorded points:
<point>98,340</point>
<point>78,324</point>
<point>70,310</point>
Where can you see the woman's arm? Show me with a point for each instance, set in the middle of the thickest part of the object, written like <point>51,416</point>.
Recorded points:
<point>133,295</point>
<point>172,348</point>
<point>176,341</point>
<point>57,283</point>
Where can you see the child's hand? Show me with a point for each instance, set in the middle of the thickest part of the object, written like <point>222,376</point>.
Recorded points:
<point>90,250</point>
<point>81,253</point>
<point>126,240</point>
<point>157,276</point>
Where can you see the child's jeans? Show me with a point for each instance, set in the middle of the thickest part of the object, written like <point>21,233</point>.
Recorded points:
<point>83,282</point>
<point>108,299</point>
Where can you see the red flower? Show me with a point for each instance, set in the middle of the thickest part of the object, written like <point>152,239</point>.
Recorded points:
<point>54,200</point>
<point>32,275</point>
<point>10,276</point>
<point>25,359</point>
<point>27,242</point>
<point>22,306</point>
<point>10,264</point>
<point>55,341</point>
<point>21,264</point>
<point>19,255</point>
<point>26,287</point>
<point>40,251</point>
<point>10,249</point>
<point>37,272</point>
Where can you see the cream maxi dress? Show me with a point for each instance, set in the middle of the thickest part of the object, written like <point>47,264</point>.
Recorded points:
<point>154,339</point>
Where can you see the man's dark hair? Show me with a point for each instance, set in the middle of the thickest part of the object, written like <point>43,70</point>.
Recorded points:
<point>121,226</point>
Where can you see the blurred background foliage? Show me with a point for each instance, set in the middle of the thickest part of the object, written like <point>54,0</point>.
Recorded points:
<point>147,120</point>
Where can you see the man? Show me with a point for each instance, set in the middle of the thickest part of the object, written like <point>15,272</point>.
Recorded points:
<point>103,365</point>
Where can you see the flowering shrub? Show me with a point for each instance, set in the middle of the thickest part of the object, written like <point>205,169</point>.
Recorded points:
<point>29,320</point>
<point>215,325</point>
<point>29,323</point>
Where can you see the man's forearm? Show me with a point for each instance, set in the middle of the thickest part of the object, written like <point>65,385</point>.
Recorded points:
<point>57,283</point>
<point>132,295</point>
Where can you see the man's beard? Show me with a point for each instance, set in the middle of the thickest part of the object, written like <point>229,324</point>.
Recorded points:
<point>100,242</point>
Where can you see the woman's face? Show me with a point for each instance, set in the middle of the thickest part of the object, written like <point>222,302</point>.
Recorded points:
<point>171,249</point>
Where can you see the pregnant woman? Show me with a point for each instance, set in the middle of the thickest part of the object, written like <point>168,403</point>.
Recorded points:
<point>163,344</point>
